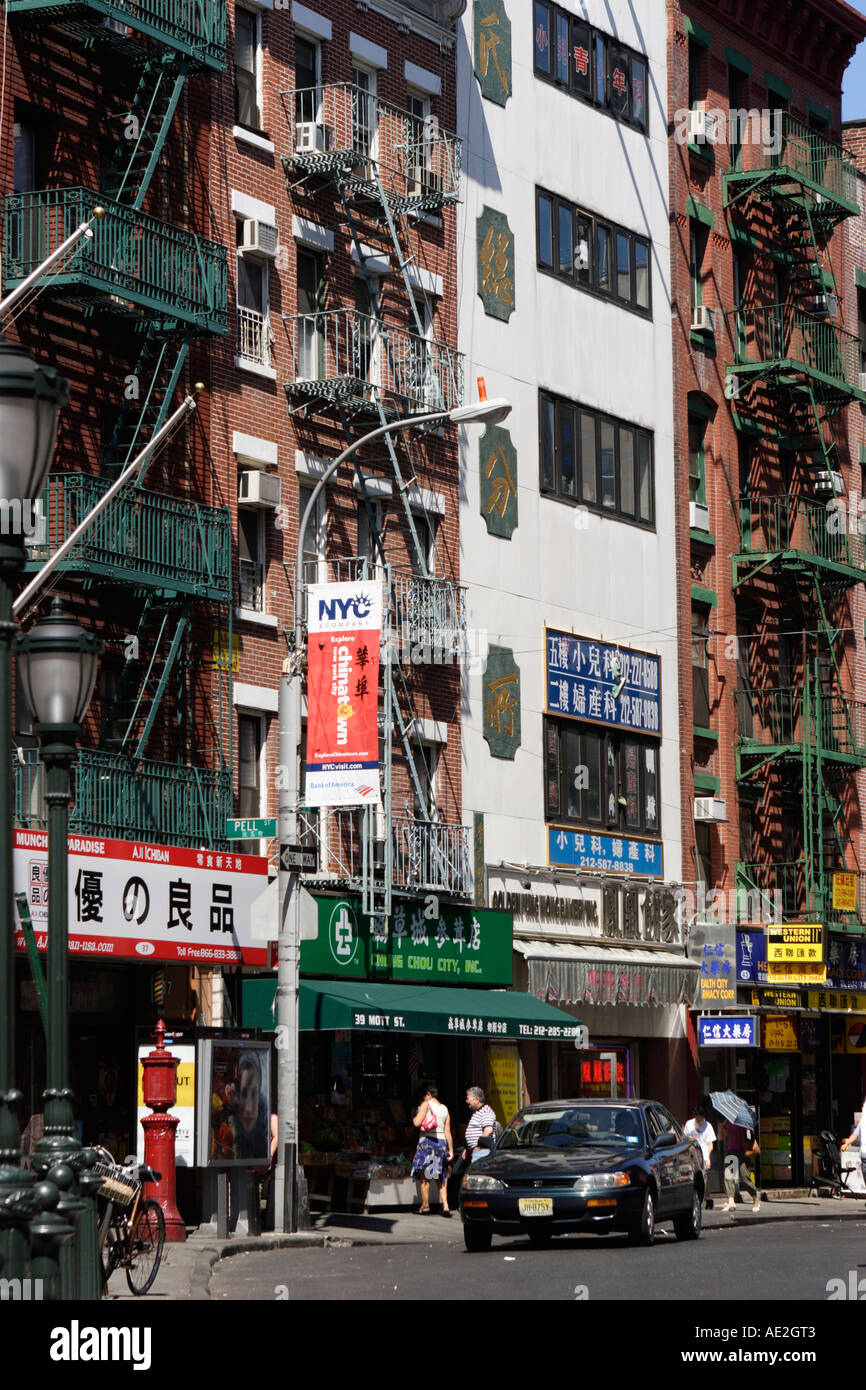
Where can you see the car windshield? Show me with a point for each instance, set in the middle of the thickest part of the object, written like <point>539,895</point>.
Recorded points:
<point>572,1126</point>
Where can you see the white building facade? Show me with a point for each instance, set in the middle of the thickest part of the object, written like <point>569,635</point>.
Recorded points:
<point>571,751</point>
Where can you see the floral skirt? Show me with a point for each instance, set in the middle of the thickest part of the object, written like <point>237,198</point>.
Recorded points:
<point>430,1161</point>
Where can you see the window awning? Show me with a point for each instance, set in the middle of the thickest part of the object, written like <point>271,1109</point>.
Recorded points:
<point>593,974</point>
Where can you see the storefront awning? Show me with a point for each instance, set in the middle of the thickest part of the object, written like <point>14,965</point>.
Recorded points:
<point>487,1013</point>
<point>593,974</point>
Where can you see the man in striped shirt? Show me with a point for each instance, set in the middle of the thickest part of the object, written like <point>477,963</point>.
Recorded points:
<point>481,1122</point>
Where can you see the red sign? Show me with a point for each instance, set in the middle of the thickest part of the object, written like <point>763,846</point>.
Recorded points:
<point>344,627</point>
<point>581,60</point>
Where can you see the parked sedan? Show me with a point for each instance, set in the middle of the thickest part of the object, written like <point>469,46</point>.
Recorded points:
<point>585,1165</point>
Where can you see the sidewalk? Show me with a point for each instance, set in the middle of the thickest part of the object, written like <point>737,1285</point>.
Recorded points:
<point>184,1273</point>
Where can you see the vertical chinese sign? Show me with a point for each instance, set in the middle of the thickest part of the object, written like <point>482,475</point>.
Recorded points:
<point>493,50</point>
<point>344,633</point>
<point>495,242</point>
<point>498,482</point>
<point>501,695</point>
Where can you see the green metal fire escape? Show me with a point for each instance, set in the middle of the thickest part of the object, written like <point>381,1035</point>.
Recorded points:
<point>792,360</point>
<point>166,286</point>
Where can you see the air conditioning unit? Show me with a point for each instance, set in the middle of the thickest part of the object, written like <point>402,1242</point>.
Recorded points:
<point>824,481</point>
<point>863,381</point>
<point>820,304</point>
<point>115,26</point>
<point>703,319</point>
<point>312,138</point>
<point>258,489</point>
<point>260,240</point>
<point>699,516</point>
<point>711,808</point>
<point>701,128</point>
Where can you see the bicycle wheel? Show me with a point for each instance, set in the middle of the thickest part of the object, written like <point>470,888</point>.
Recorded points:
<point>145,1248</point>
<point>109,1258</point>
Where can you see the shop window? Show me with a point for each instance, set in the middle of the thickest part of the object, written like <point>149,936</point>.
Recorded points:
<point>596,777</point>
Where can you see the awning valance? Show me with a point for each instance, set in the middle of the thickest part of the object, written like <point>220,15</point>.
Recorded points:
<point>395,1008</point>
<point>568,973</point>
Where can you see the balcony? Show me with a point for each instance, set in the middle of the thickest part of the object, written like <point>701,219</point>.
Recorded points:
<point>427,615</point>
<point>774,724</point>
<point>777,892</point>
<point>427,856</point>
<point>808,172</point>
<point>142,538</point>
<point>195,29</point>
<point>254,337</point>
<point>353,360</point>
<point>127,799</point>
<point>789,349</point>
<point>133,262</point>
<point>342,131</point>
<point>789,532</point>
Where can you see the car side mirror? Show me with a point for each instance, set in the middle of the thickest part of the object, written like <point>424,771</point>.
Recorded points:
<point>668,1140</point>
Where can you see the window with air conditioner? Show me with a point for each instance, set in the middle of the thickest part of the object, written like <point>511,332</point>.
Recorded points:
<point>254,333</point>
<point>248,69</point>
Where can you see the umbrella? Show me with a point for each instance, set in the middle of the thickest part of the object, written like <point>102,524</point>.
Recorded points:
<point>730,1107</point>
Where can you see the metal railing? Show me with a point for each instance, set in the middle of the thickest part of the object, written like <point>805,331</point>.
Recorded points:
<point>801,153</point>
<point>427,855</point>
<point>125,798</point>
<point>251,585</point>
<point>348,355</point>
<point>776,334</point>
<point>134,259</point>
<point>254,337</point>
<point>341,125</point>
<point>197,27</point>
<point>429,614</point>
<point>775,718</point>
<point>777,892</point>
<point>144,537</point>
<point>770,525</point>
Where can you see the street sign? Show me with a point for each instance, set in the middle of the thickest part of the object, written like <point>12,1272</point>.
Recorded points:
<point>261,829</point>
<point>299,858</point>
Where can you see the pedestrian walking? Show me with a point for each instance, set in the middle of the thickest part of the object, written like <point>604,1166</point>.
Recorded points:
<point>858,1135</point>
<point>435,1149</point>
<point>700,1129</point>
<point>482,1124</point>
<point>741,1146</point>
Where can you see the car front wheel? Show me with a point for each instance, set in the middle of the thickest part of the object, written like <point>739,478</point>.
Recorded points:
<point>476,1238</point>
<point>687,1226</point>
<point>644,1232</point>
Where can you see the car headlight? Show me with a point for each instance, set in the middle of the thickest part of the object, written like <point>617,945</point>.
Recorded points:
<point>592,1182</point>
<point>477,1182</point>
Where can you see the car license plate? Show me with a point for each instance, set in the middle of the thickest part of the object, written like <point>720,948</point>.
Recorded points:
<point>535,1206</point>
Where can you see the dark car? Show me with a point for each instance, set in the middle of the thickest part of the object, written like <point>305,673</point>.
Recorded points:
<point>585,1165</point>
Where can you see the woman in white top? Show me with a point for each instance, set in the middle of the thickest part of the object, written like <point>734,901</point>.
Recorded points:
<point>435,1149</point>
<point>858,1136</point>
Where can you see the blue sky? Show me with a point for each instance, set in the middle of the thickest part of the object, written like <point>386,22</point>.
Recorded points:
<point>854,81</point>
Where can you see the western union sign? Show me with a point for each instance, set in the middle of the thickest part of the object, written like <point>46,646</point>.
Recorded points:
<point>796,945</point>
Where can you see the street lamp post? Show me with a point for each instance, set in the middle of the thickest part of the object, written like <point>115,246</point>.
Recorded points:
<point>57,663</point>
<point>289,940</point>
<point>30,397</point>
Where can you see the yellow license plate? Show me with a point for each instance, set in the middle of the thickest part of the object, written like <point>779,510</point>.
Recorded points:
<point>535,1206</point>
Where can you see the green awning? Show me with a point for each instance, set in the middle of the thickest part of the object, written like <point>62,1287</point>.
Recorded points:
<point>462,1013</point>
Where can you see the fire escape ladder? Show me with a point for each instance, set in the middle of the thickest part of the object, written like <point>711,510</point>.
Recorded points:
<point>144,679</point>
<point>146,126</point>
<point>150,393</point>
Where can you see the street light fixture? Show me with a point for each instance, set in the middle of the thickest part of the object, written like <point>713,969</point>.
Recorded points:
<point>57,664</point>
<point>30,397</point>
<point>289,941</point>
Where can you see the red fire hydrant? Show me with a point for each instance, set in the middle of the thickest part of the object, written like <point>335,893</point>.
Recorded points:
<point>159,1087</point>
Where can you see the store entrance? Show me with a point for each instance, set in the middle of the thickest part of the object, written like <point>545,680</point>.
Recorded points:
<point>779,1084</point>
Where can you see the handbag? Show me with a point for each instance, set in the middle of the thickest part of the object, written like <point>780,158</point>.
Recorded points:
<point>429,1121</point>
<point>459,1166</point>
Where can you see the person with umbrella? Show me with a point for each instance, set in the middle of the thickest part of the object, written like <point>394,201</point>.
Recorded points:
<point>740,1143</point>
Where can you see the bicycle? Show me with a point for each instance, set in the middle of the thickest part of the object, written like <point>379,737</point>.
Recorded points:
<point>132,1227</point>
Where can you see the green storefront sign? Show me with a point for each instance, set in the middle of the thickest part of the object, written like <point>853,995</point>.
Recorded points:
<point>421,941</point>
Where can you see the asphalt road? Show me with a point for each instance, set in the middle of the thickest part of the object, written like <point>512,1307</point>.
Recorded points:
<point>785,1262</point>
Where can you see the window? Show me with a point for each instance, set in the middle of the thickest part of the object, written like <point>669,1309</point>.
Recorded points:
<point>311,353</point>
<point>254,331</point>
<point>364,113</point>
<point>602,463</point>
<point>697,247</point>
<point>426,526</point>
<point>598,777</point>
<point>425,757</point>
<point>421,136</point>
<point>697,459</point>
<point>735,102</point>
<point>251,778</point>
<point>861,325</point>
<point>252,557</point>
<point>700,668</point>
<point>370,525</point>
<point>248,69</point>
<point>315,536</point>
<point>593,254</point>
<point>307,69</point>
<point>589,64</point>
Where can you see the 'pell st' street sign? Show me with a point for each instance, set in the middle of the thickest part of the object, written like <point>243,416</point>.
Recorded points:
<point>261,829</point>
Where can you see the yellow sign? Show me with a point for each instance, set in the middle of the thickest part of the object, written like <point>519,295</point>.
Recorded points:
<point>780,1033</point>
<point>221,650</point>
<point>837,1001</point>
<point>792,944</point>
<point>845,892</point>
<point>796,973</point>
<point>503,1080</point>
<point>778,998</point>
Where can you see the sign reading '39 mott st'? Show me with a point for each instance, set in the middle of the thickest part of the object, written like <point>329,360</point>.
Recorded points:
<point>422,941</point>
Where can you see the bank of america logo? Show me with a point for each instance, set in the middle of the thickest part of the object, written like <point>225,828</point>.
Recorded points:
<point>365,791</point>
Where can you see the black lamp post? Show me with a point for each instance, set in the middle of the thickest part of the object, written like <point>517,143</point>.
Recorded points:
<point>57,664</point>
<point>30,397</point>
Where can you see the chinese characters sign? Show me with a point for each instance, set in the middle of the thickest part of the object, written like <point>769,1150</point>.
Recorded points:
<point>714,947</point>
<point>845,892</point>
<point>737,1031</point>
<point>344,629</point>
<point>148,902</point>
<point>498,482</point>
<point>495,264</point>
<point>611,853</point>
<point>795,944</point>
<point>493,50</point>
<point>500,689</point>
<point>602,684</point>
<point>420,941</point>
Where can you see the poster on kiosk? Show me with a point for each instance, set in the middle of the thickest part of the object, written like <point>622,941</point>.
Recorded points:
<point>344,629</point>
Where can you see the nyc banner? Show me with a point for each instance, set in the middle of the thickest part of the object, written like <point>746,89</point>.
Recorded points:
<point>343,633</point>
